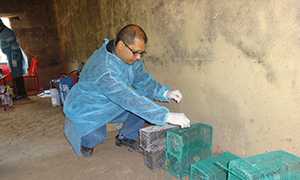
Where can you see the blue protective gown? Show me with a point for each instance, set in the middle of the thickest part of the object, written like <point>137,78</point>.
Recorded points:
<point>12,50</point>
<point>107,87</point>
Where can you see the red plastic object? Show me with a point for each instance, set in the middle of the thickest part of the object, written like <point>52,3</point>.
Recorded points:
<point>6,71</point>
<point>33,68</point>
<point>33,77</point>
<point>7,74</point>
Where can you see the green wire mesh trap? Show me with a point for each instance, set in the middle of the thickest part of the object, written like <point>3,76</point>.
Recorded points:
<point>276,165</point>
<point>211,168</point>
<point>181,168</point>
<point>185,146</point>
<point>180,142</point>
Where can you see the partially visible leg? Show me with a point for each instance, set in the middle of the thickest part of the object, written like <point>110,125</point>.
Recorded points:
<point>89,142</point>
<point>19,88</point>
<point>129,133</point>
<point>131,127</point>
<point>15,87</point>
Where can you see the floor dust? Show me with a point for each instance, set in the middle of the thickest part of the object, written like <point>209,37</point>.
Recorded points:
<point>33,147</point>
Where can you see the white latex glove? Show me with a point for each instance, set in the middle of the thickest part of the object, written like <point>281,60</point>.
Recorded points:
<point>178,119</point>
<point>174,95</point>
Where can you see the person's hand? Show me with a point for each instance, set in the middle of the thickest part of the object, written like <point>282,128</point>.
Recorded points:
<point>174,95</point>
<point>178,119</point>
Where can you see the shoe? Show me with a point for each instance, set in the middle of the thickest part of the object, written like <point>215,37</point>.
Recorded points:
<point>20,97</point>
<point>133,145</point>
<point>86,152</point>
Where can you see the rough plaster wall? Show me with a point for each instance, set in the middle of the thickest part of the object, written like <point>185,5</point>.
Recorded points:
<point>81,28</point>
<point>236,62</point>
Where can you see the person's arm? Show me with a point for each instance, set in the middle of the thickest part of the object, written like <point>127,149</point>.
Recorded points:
<point>146,85</point>
<point>126,97</point>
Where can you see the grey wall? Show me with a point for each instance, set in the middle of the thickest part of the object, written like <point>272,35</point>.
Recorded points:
<point>236,61</point>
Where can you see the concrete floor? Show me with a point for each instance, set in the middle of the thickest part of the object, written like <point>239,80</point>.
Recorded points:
<point>33,147</point>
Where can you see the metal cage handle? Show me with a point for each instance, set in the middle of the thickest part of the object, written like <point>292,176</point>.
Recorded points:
<point>228,170</point>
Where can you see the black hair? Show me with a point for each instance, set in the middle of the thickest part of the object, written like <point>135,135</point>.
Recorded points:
<point>129,32</point>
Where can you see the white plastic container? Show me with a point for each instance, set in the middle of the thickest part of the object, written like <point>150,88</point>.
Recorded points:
<point>55,99</point>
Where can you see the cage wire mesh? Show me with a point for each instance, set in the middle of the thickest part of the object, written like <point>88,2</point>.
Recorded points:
<point>154,159</point>
<point>152,138</point>
<point>210,168</point>
<point>181,167</point>
<point>185,146</point>
<point>152,141</point>
<point>276,165</point>
<point>183,140</point>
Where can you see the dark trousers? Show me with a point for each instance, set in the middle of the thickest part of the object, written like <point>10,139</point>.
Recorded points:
<point>129,130</point>
<point>19,87</point>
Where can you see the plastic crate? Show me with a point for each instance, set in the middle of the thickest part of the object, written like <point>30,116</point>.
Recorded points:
<point>152,138</point>
<point>212,168</point>
<point>276,165</point>
<point>181,167</point>
<point>181,141</point>
<point>154,159</point>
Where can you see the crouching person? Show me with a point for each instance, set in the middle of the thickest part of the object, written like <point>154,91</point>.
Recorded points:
<point>115,88</point>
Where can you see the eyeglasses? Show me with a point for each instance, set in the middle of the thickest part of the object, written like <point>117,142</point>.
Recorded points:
<point>141,53</point>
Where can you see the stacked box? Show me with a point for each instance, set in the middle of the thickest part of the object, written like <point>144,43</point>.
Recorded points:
<point>154,159</point>
<point>152,138</point>
<point>213,168</point>
<point>186,146</point>
<point>273,165</point>
<point>152,141</point>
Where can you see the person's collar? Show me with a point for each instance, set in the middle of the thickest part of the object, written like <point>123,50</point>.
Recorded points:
<point>110,47</point>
